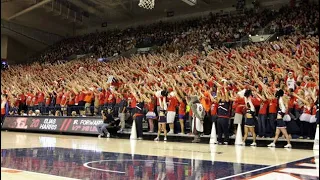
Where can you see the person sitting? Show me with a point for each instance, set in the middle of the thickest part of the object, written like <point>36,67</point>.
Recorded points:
<point>109,124</point>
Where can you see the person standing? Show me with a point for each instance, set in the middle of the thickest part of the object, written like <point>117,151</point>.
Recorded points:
<point>223,113</point>
<point>122,112</point>
<point>138,116</point>
<point>4,107</point>
<point>162,119</point>
<point>197,118</point>
<point>206,103</point>
<point>249,118</point>
<point>171,113</point>
<point>182,111</point>
<point>272,115</point>
<point>238,105</point>
<point>281,126</point>
<point>151,115</point>
<point>262,115</point>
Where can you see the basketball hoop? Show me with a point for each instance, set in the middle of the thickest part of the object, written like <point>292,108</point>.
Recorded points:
<point>147,4</point>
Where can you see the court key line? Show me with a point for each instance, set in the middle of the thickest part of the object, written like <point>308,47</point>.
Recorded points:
<point>189,150</point>
<point>121,172</point>
<point>268,167</point>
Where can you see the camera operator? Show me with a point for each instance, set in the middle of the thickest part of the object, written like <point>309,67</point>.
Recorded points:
<point>108,122</point>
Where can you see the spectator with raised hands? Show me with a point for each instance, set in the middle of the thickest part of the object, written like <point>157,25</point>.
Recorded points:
<point>191,73</point>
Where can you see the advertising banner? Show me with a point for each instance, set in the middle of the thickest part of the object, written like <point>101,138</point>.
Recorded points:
<point>79,125</point>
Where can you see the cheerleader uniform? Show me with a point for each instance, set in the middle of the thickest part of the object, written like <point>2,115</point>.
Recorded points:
<point>313,114</point>
<point>249,122</point>
<point>162,116</point>
<point>151,114</point>
<point>305,121</point>
<point>306,115</point>
<point>313,124</point>
<point>280,123</point>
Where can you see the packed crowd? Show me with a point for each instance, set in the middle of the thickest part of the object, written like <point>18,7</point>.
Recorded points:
<point>302,19</point>
<point>256,85</point>
<point>290,64</point>
<point>171,36</point>
<point>194,34</point>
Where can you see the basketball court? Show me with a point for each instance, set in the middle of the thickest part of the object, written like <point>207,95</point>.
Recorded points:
<point>44,156</point>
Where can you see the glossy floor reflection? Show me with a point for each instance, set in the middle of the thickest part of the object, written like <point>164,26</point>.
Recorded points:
<point>42,156</point>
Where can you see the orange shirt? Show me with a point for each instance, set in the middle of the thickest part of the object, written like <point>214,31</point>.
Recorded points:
<point>206,103</point>
<point>88,97</point>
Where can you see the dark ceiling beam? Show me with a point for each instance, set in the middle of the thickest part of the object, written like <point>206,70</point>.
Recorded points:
<point>87,8</point>
<point>29,9</point>
<point>112,7</point>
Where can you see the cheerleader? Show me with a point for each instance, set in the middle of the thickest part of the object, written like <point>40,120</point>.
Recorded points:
<point>151,115</point>
<point>280,124</point>
<point>314,113</point>
<point>313,120</point>
<point>249,119</point>
<point>162,119</point>
<point>306,116</point>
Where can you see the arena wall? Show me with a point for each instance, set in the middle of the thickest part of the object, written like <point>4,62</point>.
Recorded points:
<point>16,52</point>
<point>4,46</point>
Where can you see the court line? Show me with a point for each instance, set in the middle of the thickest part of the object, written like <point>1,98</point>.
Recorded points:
<point>268,167</point>
<point>31,172</point>
<point>121,172</point>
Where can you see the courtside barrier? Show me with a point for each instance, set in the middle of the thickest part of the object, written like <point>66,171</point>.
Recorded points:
<point>77,125</point>
<point>87,126</point>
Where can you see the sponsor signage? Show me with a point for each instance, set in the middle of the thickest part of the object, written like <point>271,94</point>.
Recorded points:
<point>79,125</point>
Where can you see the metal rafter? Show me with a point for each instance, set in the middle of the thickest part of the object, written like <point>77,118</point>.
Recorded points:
<point>29,9</point>
<point>90,9</point>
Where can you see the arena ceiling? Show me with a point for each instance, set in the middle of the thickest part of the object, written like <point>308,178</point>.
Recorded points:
<point>37,13</point>
<point>50,15</point>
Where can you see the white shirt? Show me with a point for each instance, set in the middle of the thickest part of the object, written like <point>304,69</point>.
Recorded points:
<point>290,83</point>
